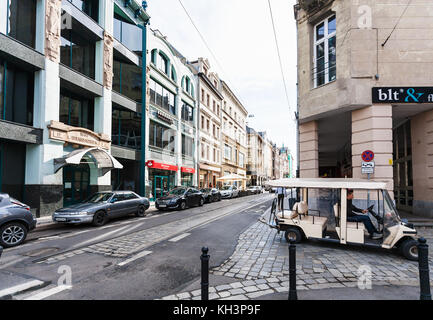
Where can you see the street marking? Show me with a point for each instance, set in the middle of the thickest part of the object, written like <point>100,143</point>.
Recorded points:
<point>98,237</point>
<point>176,239</point>
<point>48,293</point>
<point>20,287</point>
<point>138,256</point>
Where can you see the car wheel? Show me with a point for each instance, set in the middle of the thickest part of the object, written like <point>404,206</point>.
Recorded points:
<point>293,234</point>
<point>201,202</point>
<point>409,249</point>
<point>141,212</point>
<point>182,205</point>
<point>99,219</point>
<point>12,234</point>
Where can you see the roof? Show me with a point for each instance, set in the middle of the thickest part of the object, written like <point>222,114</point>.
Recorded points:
<point>325,183</point>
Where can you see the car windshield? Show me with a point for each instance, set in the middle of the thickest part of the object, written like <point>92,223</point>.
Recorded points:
<point>205,190</point>
<point>99,197</point>
<point>178,191</point>
<point>226,188</point>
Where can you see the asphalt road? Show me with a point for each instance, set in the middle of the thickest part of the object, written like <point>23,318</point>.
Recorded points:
<point>129,258</point>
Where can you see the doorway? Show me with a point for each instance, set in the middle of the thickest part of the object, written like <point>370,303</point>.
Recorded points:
<point>76,184</point>
<point>403,177</point>
<point>160,185</point>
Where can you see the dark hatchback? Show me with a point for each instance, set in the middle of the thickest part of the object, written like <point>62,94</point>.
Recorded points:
<point>16,221</point>
<point>211,195</point>
<point>180,198</point>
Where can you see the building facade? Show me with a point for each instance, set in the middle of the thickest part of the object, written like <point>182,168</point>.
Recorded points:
<point>365,83</point>
<point>234,146</point>
<point>209,122</point>
<point>256,173</point>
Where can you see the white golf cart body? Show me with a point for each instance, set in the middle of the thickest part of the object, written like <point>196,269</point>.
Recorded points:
<point>304,217</point>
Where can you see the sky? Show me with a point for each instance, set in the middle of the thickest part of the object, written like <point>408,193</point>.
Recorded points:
<point>239,33</point>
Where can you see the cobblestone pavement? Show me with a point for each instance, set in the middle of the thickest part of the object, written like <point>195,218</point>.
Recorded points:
<point>260,264</point>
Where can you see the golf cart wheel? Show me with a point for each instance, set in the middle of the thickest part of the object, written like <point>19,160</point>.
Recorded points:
<point>293,234</point>
<point>409,249</point>
<point>12,234</point>
<point>99,219</point>
<point>141,212</point>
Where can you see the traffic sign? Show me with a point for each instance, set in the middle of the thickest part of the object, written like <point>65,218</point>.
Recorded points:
<point>368,156</point>
<point>367,167</point>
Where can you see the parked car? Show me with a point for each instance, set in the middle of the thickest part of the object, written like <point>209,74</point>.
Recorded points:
<point>16,221</point>
<point>103,206</point>
<point>255,189</point>
<point>229,192</point>
<point>211,195</point>
<point>180,198</point>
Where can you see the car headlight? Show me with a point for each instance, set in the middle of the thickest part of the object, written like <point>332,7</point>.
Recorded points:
<point>78,213</point>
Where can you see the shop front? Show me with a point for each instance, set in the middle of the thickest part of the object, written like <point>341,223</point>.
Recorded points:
<point>162,178</point>
<point>209,176</point>
<point>187,176</point>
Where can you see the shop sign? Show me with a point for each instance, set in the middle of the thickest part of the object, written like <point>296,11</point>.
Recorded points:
<point>187,170</point>
<point>403,95</point>
<point>162,116</point>
<point>156,165</point>
<point>79,136</point>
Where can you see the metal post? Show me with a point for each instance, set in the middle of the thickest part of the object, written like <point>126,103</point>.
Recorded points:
<point>424,276</point>
<point>204,274</point>
<point>143,109</point>
<point>292,271</point>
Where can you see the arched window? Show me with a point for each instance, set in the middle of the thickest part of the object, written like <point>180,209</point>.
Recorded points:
<point>163,63</point>
<point>173,74</point>
<point>153,56</point>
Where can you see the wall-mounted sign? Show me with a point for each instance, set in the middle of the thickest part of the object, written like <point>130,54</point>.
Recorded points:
<point>163,166</point>
<point>79,136</point>
<point>403,95</point>
<point>162,116</point>
<point>187,170</point>
<point>367,167</point>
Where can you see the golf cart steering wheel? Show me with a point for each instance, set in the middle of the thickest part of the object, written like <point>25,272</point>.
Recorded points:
<point>370,207</point>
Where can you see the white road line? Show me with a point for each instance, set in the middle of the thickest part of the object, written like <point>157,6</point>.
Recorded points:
<point>138,256</point>
<point>20,287</point>
<point>48,293</point>
<point>176,239</point>
<point>98,237</point>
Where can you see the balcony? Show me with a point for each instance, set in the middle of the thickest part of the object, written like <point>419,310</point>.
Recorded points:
<point>313,5</point>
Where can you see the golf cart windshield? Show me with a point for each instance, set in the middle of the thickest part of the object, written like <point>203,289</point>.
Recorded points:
<point>391,217</point>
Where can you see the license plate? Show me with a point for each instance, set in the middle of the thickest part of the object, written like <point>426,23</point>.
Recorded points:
<point>61,219</point>
<point>162,205</point>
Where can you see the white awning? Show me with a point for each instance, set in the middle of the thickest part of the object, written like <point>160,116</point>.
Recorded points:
<point>326,183</point>
<point>101,158</point>
<point>232,177</point>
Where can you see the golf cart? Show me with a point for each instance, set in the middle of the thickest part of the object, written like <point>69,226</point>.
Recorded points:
<point>319,212</point>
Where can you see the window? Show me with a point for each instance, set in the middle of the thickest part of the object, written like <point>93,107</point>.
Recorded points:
<point>187,113</point>
<point>207,125</point>
<point>218,109</point>
<point>127,80</point>
<point>207,152</point>
<point>227,152</point>
<point>128,34</point>
<point>162,97</point>
<point>214,130</point>
<point>173,74</point>
<point>187,146</point>
<point>325,52</point>
<point>126,128</point>
<point>78,53</point>
<point>214,155</point>
<point>76,111</point>
<point>241,159</point>
<point>208,101</point>
<point>89,7</point>
<point>162,63</point>
<point>202,95</point>
<point>202,150</point>
<point>202,122</point>
<point>16,94</point>
<point>214,106</point>
<point>161,136</point>
<point>18,20</point>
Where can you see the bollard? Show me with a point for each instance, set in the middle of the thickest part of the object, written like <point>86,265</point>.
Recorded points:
<point>292,271</point>
<point>424,271</point>
<point>204,274</point>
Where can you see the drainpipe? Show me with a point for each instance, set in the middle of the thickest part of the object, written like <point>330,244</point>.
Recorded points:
<point>143,109</point>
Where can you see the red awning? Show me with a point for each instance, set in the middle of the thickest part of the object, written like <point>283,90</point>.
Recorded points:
<point>187,170</point>
<point>163,166</point>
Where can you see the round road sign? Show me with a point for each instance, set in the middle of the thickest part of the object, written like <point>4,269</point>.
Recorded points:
<point>368,156</point>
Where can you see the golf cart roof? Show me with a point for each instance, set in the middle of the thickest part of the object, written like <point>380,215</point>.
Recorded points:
<point>326,183</point>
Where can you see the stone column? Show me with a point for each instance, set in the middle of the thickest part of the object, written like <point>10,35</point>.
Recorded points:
<point>309,149</point>
<point>372,130</point>
<point>422,163</point>
<point>43,190</point>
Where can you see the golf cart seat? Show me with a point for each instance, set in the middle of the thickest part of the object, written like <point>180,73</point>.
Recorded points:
<point>350,225</point>
<point>322,221</point>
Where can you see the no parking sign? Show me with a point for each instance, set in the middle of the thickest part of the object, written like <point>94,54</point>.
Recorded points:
<point>368,156</point>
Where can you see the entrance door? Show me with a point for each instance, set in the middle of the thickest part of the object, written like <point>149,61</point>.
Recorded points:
<point>160,185</point>
<point>403,178</point>
<point>76,184</point>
